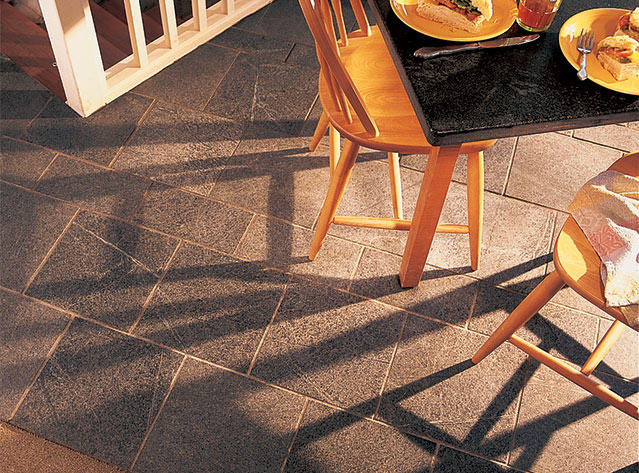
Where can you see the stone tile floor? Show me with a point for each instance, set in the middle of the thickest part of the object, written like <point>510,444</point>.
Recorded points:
<point>159,313</point>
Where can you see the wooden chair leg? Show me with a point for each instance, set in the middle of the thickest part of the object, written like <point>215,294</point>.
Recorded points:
<point>603,347</point>
<point>396,184</point>
<point>593,387</point>
<point>475,192</point>
<point>333,148</point>
<point>320,131</point>
<point>334,195</point>
<point>522,314</point>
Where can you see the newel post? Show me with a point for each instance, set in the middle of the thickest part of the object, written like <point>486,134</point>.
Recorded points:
<point>75,46</point>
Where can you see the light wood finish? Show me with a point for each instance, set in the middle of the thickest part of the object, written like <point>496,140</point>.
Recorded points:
<point>395,184</point>
<point>364,100</point>
<point>320,131</point>
<point>475,196</point>
<point>578,265</point>
<point>333,150</point>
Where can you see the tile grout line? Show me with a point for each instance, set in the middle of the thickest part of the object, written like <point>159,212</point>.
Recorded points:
<point>307,401</point>
<point>243,237</point>
<point>37,181</point>
<point>50,252</point>
<point>400,335</point>
<point>139,206</point>
<point>510,166</point>
<point>157,415</point>
<point>435,453</point>
<point>37,115</point>
<point>138,125</point>
<point>267,328</point>
<point>231,64</point>
<point>351,278</point>
<point>44,363</point>
<point>471,311</point>
<point>155,287</point>
<point>529,369</point>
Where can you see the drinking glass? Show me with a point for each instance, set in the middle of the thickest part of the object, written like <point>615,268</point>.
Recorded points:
<point>537,15</point>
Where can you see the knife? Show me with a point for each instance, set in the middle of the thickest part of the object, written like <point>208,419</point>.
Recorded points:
<point>429,52</point>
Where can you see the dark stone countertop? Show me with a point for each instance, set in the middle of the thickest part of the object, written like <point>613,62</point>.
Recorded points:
<point>502,92</point>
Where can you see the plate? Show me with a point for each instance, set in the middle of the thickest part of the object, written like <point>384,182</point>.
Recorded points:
<point>504,14</point>
<point>603,22</point>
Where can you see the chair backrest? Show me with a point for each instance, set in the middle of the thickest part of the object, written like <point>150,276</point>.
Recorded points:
<point>343,91</point>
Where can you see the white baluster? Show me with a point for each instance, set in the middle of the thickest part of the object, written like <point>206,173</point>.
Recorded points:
<point>199,14</point>
<point>169,23</point>
<point>136,31</point>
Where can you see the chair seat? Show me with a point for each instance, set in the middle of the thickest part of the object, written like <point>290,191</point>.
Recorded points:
<point>372,70</point>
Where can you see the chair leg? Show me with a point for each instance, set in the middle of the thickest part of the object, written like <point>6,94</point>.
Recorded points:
<point>396,184</point>
<point>522,314</point>
<point>475,191</point>
<point>603,347</point>
<point>320,131</point>
<point>333,148</point>
<point>334,195</point>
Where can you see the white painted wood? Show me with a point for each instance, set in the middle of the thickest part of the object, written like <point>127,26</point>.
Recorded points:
<point>75,45</point>
<point>169,23</point>
<point>199,14</point>
<point>87,86</point>
<point>136,32</point>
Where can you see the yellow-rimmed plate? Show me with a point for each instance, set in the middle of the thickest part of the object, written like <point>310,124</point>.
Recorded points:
<point>504,14</point>
<point>603,21</point>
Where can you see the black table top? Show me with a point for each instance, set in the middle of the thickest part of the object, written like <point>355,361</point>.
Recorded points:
<point>498,93</point>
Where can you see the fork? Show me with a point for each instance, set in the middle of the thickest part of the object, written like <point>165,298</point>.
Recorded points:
<point>585,44</point>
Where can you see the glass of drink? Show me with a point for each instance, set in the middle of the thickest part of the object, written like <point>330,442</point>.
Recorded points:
<point>537,15</point>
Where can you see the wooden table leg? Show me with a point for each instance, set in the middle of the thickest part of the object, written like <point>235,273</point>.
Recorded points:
<point>439,171</point>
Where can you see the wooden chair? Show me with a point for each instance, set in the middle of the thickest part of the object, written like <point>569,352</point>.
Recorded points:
<point>364,100</point>
<point>576,264</point>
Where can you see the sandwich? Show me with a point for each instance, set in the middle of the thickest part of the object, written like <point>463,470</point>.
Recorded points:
<point>619,55</point>
<point>467,15</point>
<point>629,25</point>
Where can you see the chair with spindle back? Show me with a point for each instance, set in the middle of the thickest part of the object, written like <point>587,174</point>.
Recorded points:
<point>577,265</point>
<point>364,100</point>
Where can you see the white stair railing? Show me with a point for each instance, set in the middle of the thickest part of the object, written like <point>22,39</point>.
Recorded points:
<point>88,86</point>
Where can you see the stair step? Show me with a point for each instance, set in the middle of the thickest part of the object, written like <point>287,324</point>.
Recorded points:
<point>109,27</point>
<point>27,45</point>
<point>152,29</point>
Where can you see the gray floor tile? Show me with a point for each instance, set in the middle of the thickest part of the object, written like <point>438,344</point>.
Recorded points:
<point>615,136</point>
<point>561,427</point>
<point>213,307</point>
<point>21,451</point>
<point>275,174</point>
<point>335,441</point>
<point>273,94</point>
<point>304,55</point>
<point>194,218</point>
<point>440,294</point>
<point>30,226</point>
<point>281,245</point>
<point>22,163</point>
<point>214,420</point>
<point>103,269</point>
<point>99,392</point>
<point>563,332</point>
<point>204,67</point>
<point>550,168</point>
<point>284,20</point>
<point>330,345</point>
<point>96,138</point>
<point>435,390</point>
<point>181,148</point>
<point>256,44</point>
<point>93,187</point>
<point>497,160</point>
<point>515,242</point>
<point>449,460</point>
<point>27,333</point>
<point>250,22</point>
<point>22,98</point>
